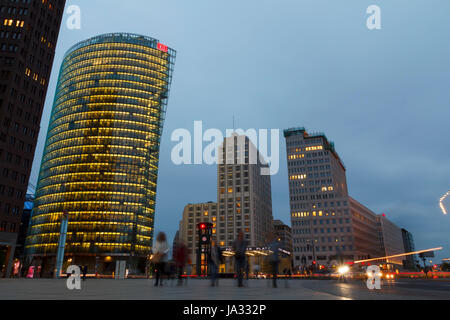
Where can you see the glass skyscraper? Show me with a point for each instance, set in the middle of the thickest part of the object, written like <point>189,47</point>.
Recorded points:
<point>100,163</point>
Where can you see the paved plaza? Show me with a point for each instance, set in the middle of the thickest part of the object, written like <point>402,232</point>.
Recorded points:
<point>141,289</point>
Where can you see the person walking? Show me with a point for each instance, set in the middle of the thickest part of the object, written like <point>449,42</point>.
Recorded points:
<point>274,259</point>
<point>247,270</point>
<point>85,270</point>
<point>188,269</point>
<point>181,256</point>
<point>161,249</point>
<point>239,248</point>
<point>214,262</point>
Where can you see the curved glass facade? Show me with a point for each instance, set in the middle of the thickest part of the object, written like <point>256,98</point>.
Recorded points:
<point>100,162</point>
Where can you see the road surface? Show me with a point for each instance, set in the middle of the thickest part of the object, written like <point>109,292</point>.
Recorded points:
<point>141,289</point>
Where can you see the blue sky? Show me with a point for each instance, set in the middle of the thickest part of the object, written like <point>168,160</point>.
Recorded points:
<point>382,96</point>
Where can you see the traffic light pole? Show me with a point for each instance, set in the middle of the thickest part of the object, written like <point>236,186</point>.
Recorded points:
<point>62,244</point>
<point>203,247</point>
<point>199,259</point>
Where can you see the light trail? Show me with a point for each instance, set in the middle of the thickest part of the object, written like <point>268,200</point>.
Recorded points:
<point>399,255</point>
<point>441,204</point>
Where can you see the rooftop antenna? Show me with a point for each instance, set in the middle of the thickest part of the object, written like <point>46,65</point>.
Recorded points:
<point>234,126</point>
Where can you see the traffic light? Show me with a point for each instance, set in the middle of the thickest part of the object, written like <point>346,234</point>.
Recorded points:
<point>204,232</point>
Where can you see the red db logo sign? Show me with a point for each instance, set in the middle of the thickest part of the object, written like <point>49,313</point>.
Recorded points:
<point>162,47</point>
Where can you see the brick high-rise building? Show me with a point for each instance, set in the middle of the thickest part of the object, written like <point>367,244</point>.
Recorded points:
<point>366,231</point>
<point>28,36</point>
<point>327,225</point>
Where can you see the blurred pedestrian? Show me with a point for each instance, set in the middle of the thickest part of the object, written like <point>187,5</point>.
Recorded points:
<point>426,270</point>
<point>287,276</point>
<point>188,269</point>
<point>180,257</point>
<point>85,270</point>
<point>239,248</point>
<point>214,261</point>
<point>256,270</point>
<point>161,249</point>
<point>171,271</point>
<point>247,270</point>
<point>274,259</point>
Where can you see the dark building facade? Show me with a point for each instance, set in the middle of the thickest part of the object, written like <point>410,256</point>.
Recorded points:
<point>100,162</point>
<point>410,262</point>
<point>23,228</point>
<point>28,36</point>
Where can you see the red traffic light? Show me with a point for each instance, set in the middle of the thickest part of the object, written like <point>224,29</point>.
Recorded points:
<point>314,262</point>
<point>202,226</point>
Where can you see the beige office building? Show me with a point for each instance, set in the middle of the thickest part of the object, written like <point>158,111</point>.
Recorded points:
<point>188,233</point>
<point>243,193</point>
<point>244,203</point>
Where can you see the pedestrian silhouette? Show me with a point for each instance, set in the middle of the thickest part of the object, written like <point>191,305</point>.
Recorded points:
<point>161,250</point>
<point>85,270</point>
<point>239,248</point>
<point>181,256</point>
<point>274,259</point>
<point>214,261</point>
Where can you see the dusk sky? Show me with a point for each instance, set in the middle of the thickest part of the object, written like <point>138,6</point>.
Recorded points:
<point>382,95</point>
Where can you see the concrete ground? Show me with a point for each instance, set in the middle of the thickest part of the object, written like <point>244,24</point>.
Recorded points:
<point>141,289</point>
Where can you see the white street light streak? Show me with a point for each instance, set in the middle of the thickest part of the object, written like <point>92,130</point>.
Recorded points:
<point>441,204</point>
<point>399,255</point>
